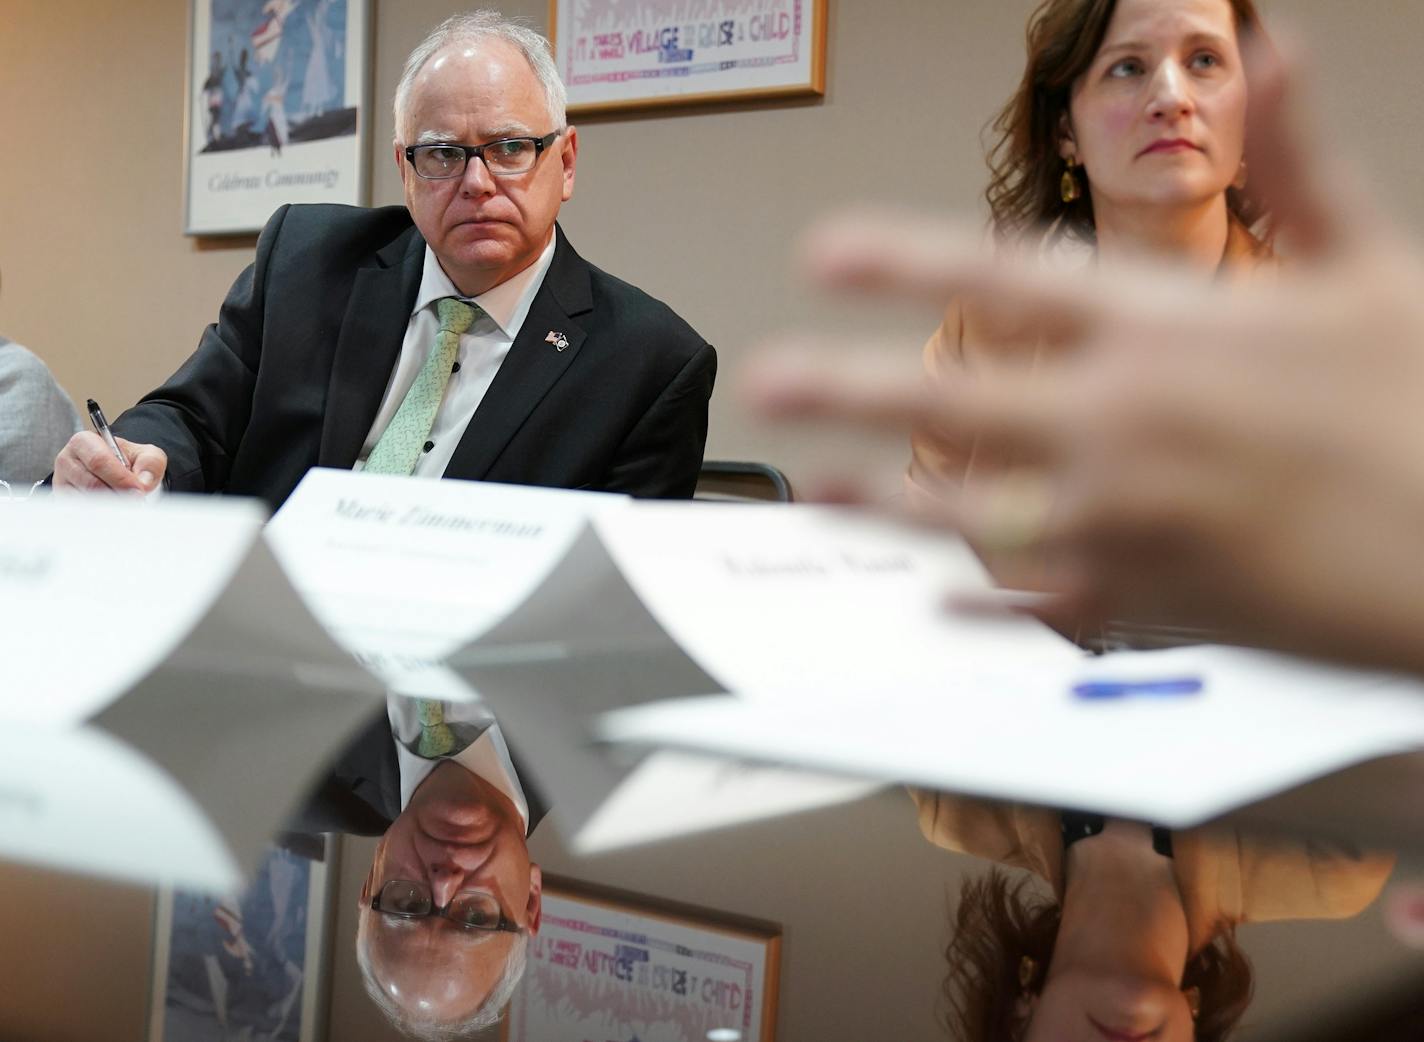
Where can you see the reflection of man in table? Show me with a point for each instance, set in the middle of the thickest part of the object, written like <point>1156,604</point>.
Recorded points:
<point>452,898</point>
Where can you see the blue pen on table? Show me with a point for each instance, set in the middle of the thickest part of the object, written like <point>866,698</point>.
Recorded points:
<point>1164,687</point>
<point>101,427</point>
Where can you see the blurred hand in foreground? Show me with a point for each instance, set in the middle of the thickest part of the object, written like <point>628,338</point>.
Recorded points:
<point>1250,463</point>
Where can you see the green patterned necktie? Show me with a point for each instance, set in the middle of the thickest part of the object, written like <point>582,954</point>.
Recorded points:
<point>403,440</point>
<point>400,446</point>
<point>436,738</point>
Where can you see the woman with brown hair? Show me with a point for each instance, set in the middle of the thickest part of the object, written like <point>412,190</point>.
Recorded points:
<point>1001,952</point>
<point>1135,937</point>
<point>1126,136</point>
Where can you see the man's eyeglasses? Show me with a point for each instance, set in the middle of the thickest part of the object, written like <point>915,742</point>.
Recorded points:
<point>472,909</point>
<point>504,158</point>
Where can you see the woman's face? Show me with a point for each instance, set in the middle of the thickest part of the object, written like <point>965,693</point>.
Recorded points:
<point>1086,1007</point>
<point>1159,118</point>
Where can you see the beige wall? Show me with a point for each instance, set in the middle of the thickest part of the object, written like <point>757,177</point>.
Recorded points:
<point>74,957</point>
<point>700,208</point>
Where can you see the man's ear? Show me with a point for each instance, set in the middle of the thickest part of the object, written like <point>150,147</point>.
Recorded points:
<point>400,159</point>
<point>569,157</point>
<point>534,910</point>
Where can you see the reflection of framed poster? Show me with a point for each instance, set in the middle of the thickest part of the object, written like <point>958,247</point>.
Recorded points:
<point>617,55</point>
<point>276,109</point>
<point>251,967</point>
<point>607,964</point>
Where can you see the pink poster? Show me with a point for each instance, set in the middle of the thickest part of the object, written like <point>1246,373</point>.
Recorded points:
<point>607,971</point>
<point>637,53</point>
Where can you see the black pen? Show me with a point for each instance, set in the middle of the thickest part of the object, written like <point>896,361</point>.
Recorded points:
<point>101,427</point>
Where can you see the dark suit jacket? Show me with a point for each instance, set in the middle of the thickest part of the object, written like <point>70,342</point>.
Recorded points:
<point>291,375</point>
<point>361,794</point>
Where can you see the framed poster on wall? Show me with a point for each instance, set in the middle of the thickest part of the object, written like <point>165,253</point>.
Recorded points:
<point>252,966</point>
<point>277,109</point>
<point>623,55</point>
<point>609,964</point>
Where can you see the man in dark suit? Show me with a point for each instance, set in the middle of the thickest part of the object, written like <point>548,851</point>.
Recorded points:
<point>459,336</point>
<point>565,376</point>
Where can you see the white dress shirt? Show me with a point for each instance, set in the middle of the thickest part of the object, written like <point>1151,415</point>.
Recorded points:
<point>482,351</point>
<point>487,757</point>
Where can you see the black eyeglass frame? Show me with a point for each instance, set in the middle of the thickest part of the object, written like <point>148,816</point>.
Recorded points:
<point>478,152</point>
<point>504,925</point>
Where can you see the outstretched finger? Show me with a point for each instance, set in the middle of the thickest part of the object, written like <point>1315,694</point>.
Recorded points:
<point>796,377</point>
<point>1020,414</point>
<point>911,258</point>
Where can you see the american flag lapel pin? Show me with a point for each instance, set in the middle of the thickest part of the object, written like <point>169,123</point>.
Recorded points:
<point>557,339</point>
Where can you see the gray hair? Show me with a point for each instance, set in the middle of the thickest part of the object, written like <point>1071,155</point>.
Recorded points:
<point>474,26</point>
<point>489,1013</point>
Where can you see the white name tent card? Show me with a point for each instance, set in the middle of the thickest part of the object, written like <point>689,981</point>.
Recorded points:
<point>167,698</point>
<point>665,600</point>
<point>818,639</point>
<point>404,572</point>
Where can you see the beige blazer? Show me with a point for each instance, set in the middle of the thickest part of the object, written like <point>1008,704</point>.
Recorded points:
<point>1224,877</point>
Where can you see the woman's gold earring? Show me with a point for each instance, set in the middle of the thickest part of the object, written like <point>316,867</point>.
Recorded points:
<point>1027,969</point>
<point>1069,187</point>
<point>1242,175</point>
<point>1193,996</point>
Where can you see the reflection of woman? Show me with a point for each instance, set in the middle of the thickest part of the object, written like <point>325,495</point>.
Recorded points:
<point>1139,939</point>
<point>1126,135</point>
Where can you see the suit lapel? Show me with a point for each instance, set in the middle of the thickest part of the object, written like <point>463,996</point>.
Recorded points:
<point>368,345</point>
<point>369,768</point>
<point>532,366</point>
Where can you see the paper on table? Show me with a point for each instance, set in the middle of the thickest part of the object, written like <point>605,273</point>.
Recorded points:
<point>673,794</point>
<point>131,821</point>
<point>814,600</point>
<point>1262,724</point>
<point>170,628</point>
<point>785,597</point>
<point>95,594</point>
<point>579,645</point>
<point>402,573</point>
